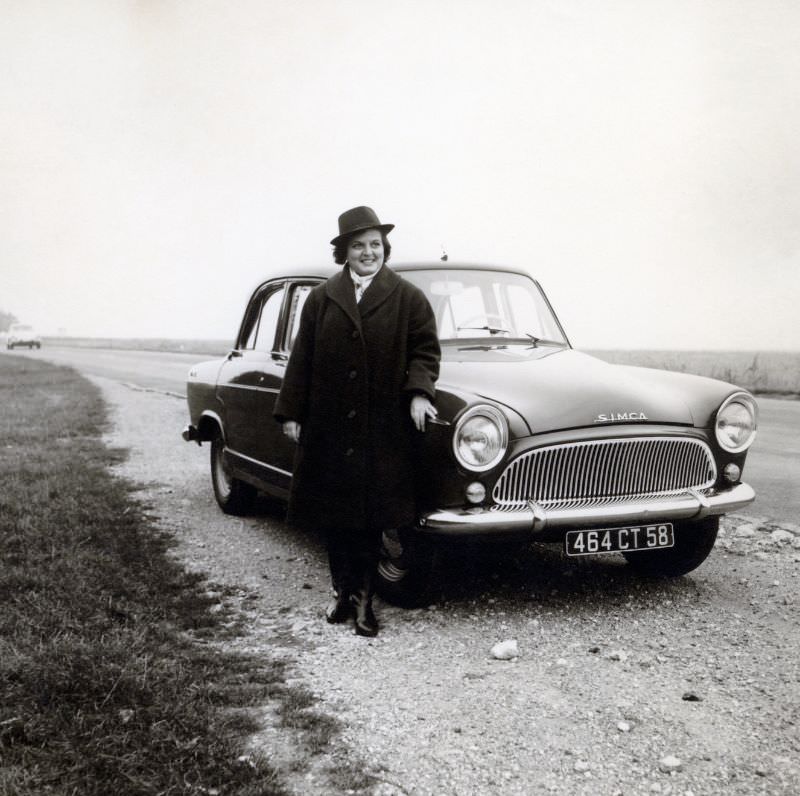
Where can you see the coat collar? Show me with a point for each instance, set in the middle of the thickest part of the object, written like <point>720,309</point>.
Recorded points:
<point>340,289</point>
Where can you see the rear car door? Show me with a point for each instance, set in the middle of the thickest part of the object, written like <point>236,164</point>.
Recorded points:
<point>248,385</point>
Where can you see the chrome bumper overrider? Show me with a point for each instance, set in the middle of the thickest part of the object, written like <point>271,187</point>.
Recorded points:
<point>535,519</point>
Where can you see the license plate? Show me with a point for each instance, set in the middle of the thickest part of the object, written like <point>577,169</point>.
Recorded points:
<point>619,540</point>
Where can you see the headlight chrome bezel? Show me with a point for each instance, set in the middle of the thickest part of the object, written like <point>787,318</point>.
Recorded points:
<point>495,416</point>
<point>749,403</point>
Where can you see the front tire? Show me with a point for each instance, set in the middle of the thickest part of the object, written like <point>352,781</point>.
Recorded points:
<point>233,496</point>
<point>406,568</point>
<point>693,543</point>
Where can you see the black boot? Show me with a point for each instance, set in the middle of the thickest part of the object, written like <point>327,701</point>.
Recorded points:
<point>366,623</point>
<point>340,608</point>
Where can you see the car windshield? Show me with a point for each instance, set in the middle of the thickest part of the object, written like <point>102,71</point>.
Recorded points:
<point>497,305</point>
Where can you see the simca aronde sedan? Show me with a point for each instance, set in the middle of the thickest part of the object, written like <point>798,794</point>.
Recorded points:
<point>533,439</point>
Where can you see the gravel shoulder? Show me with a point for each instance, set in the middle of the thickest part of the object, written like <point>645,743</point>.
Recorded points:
<point>621,685</point>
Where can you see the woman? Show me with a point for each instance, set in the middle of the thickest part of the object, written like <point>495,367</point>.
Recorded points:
<point>359,381</point>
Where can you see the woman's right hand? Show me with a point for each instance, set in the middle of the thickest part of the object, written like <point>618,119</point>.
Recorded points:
<point>291,428</point>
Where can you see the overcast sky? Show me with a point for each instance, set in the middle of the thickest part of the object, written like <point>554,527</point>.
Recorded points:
<point>641,159</point>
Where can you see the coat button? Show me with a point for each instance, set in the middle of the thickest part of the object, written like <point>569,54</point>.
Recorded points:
<point>354,335</point>
<point>353,374</point>
<point>351,414</point>
<point>349,452</point>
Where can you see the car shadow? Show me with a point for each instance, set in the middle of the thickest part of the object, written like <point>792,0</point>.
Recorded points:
<point>541,574</point>
<point>512,576</point>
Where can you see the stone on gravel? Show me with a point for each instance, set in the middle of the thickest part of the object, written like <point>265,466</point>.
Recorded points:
<point>581,765</point>
<point>505,650</point>
<point>617,655</point>
<point>782,537</point>
<point>746,531</point>
<point>624,726</point>
<point>670,763</point>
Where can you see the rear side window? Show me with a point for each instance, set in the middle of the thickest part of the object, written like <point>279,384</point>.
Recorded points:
<point>262,320</point>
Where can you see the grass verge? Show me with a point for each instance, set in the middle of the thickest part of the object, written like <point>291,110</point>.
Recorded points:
<point>104,685</point>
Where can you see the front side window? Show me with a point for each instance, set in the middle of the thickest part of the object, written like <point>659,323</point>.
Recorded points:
<point>297,299</point>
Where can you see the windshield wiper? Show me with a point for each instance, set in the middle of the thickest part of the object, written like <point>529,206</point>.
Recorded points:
<point>536,340</point>
<point>490,329</point>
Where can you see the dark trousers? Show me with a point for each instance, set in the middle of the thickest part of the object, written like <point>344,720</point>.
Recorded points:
<point>353,556</point>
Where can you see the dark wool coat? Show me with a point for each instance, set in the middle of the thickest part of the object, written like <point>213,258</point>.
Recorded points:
<point>349,382</point>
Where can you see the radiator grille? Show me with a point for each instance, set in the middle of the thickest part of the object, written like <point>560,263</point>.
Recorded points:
<point>605,471</point>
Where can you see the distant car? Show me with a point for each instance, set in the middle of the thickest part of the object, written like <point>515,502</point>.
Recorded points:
<point>533,440</point>
<point>20,334</point>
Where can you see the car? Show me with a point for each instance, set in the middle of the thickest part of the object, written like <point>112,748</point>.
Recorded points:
<point>21,334</point>
<point>534,440</point>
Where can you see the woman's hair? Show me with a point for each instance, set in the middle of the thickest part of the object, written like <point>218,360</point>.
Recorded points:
<point>340,249</point>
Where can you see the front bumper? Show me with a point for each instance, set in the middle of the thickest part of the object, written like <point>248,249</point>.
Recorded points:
<point>552,522</point>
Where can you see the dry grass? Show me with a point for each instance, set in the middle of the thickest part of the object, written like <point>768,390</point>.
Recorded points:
<point>211,348</point>
<point>762,372</point>
<point>104,685</point>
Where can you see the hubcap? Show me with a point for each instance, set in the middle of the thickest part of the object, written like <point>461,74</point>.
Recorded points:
<point>389,570</point>
<point>391,566</point>
<point>221,474</point>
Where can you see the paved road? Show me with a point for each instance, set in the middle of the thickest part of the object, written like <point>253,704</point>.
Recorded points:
<point>773,466</point>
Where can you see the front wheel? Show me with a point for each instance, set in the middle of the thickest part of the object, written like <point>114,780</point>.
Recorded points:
<point>406,568</point>
<point>693,543</point>
<point>233,496</point>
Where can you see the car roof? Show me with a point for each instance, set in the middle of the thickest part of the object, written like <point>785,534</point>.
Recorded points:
<point>326,271</point>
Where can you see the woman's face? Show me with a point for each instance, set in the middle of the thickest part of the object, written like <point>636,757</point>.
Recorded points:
<point>365,252</point>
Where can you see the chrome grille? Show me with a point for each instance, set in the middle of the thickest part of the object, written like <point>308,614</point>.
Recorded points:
<point>605,471</point>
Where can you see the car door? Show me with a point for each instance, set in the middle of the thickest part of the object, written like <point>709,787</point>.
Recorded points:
<point>281,449</point>
<point>248,384</point>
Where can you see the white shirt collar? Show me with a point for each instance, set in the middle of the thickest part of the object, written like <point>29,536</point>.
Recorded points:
<point>361,283</point>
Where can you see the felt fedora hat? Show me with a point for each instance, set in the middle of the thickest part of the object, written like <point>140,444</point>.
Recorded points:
<point>358,219</point>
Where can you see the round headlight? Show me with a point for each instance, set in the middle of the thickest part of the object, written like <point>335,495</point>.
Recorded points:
<point>481,438</point>
<point>737,419</point>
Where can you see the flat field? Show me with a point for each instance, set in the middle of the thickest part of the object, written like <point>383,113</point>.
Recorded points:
<point>762,372</point>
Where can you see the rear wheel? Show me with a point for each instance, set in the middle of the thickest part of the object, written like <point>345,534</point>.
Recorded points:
<point>233,496</point>
<point>406,568</point>
<point>693,543</point>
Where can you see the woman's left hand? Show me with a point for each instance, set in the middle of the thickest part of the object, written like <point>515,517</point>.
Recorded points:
<point>422,408</point>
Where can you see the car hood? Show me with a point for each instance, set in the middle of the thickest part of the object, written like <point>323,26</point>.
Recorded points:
<point>556,388</point>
